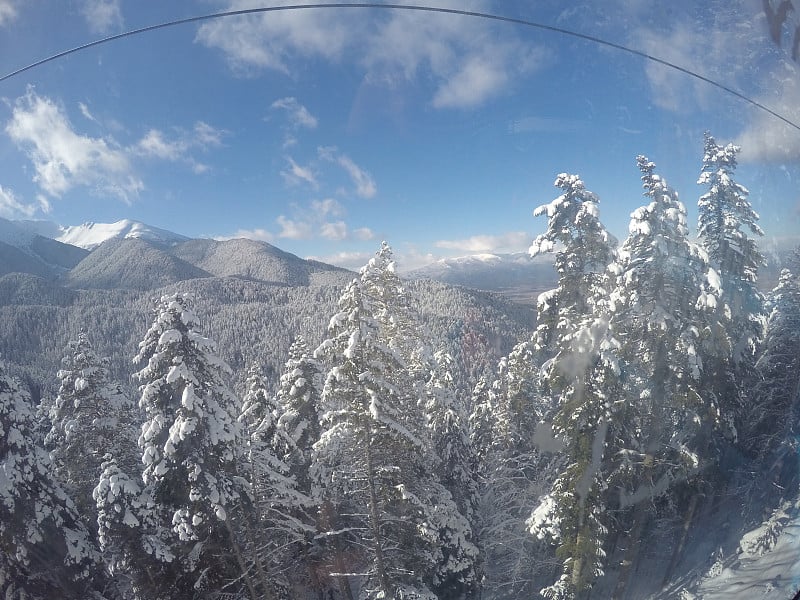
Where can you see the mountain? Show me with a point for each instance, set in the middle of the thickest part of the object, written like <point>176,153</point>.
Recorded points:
<point>24,251</point>
<point>131,264</point>
<point>90,235</point>
<point>517,276</point>
<point>254,260</point>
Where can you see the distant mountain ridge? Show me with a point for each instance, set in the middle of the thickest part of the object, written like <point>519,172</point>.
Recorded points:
<point>516,275</point>
<point>90,235</point>
<point>24,251</point>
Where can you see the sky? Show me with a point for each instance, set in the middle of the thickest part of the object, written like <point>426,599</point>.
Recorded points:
<point>324,131</point>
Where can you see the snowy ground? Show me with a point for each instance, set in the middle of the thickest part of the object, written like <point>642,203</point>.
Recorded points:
<point>774,574</point>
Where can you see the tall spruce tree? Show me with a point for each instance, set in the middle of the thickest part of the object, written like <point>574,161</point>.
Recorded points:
<point>91,417</point>
<point>279,528</point>
<point>574,332</point>
<point>392,512</point>
<point>45,550</point>
<point>662,303</point>
<point>726,223</point>
<point>189,445</point>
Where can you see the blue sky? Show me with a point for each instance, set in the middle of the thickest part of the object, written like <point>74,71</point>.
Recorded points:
<point>324,131</point>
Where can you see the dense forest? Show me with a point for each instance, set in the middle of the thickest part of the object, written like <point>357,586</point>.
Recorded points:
<point>659,388</point>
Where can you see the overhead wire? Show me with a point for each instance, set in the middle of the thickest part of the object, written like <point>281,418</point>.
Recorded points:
<point>408,7</point>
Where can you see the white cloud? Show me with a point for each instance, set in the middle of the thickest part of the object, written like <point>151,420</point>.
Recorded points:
<point>469,60</point>
<point>346,260</point>
<point>85,112</point>
<point>767,138</point>
<point>64,159</point>
<point>724,52</point>
<point>206,136</point>
<point>268,40</point>
<point>294,230</point>
<point>8,11</point>
<point>102,16</point>
<point>296,174</point>
<point>363,234</point>
<point>471,85</point>
<point>11,207</point>
<point>336,231</point>
<point>327,207</point>
<point>299,116</point>
<point>412,258</point>
<point>365,184</point>
<point>156,144</point>
<point>261,235</point>
<point>513,241</point>
<point>44,203</point>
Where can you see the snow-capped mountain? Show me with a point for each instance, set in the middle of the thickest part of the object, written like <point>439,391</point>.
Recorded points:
<point>90,235</point>
<point>517,275</point>
<point>25,251</point>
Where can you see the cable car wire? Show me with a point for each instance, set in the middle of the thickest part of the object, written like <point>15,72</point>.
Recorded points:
<point>418,8</point>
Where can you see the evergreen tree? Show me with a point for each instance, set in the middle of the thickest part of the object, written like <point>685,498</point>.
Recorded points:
<point>772,418</point>
<point>574,329</point>
<point>189,444</point>
<point>663,304</point>
<point>299,398</point>
<point>130,534</point>
<point>91,417</point>
<point>373,457</point>
<point>447,419</point>
<point>277,534</point>
<point>726,220</point>
<point>725,223</point>
<point>45,551</point>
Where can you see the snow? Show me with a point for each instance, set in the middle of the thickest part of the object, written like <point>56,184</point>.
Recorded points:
<point>90,235</point>
<point>774,574</point>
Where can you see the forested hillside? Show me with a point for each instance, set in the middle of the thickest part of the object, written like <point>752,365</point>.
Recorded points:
<point>224,420</point>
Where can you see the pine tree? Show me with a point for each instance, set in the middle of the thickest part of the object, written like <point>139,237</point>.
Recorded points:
<point>45,551</point>
<point>413,540</point>
<point>772,416</point>
<point>278,532</point>
<point>91,417</point>
<point>574,330</point>
<point>299,398</point>
<point>189,445</point>
<point>726,220</point>
<point>663,304</point>
<point>447,419</point>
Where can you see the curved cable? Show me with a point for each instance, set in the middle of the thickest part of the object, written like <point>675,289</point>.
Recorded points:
<point>419,8</point>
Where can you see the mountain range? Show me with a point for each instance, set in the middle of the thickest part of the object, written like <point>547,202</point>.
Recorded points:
<point>133,255</point>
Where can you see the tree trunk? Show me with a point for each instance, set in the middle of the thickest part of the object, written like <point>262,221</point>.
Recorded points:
<point>327,523</point>
<point>676,553</point>
<point>631,553</point>
<point>374,520</point>
<point>240,559</point>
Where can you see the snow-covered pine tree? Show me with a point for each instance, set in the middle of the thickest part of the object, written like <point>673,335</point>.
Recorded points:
<point>511,473</point>
<point>574,331</point>
<point>130,534</point>
<point>663,300</point>
<point>299,398</point>
<point>381,502</point>
<point>447,419</point>
<point>725,225</point>
<point>278,529</point>
<point>45,551</point>
<point>91,416</point>
<point>773,417</point>
<point>189,442</point>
